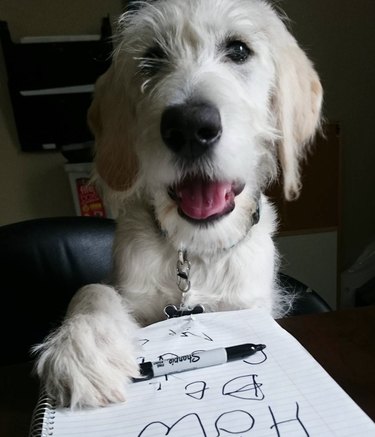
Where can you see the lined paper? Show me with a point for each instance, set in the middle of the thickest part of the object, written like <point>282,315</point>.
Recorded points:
<point>280,391</point>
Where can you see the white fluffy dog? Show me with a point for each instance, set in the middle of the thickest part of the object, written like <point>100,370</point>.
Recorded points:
<point>203,99</point>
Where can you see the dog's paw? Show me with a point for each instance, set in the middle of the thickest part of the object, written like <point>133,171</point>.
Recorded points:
<point>87,361</point>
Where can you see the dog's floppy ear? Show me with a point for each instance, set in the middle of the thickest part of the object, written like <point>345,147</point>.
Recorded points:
<point>111,121</point>
<point>298,100</point>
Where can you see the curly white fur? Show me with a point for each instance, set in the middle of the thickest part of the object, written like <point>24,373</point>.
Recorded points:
<point>270,109</point>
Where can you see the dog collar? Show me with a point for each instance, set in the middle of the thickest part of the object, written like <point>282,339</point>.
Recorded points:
<point>183,267</point>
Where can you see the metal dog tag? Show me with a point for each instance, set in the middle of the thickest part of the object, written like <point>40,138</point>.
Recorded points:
<point>183,283</point>
<point>171,311</point>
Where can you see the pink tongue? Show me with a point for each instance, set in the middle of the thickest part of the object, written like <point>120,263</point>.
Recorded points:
<point>201,199</point>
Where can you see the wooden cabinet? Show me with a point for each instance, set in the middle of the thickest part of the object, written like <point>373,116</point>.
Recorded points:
<point>51,83</point>
<point>308,237</point>
<point>318,207</point>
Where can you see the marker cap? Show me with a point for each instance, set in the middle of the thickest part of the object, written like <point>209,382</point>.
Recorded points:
<point>146,371</point>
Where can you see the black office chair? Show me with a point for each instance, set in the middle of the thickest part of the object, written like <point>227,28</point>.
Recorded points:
<point>43,262</point>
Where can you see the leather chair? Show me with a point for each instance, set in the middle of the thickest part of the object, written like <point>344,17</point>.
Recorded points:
<point>43,262</point>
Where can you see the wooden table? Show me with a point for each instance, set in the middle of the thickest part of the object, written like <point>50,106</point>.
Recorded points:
<point>343,342</point>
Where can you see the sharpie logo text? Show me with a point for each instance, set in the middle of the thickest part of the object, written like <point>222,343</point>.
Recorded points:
<point>189,358</point>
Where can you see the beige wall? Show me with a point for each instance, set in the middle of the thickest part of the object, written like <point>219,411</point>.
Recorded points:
<point>338,34</point>
<point>340,37</point>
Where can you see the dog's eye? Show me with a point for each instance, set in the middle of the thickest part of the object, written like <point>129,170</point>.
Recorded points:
<point>237,51</point>
<point>152,60</point>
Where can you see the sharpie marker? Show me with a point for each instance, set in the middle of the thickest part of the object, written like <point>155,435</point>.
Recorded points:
<point>196,360</point>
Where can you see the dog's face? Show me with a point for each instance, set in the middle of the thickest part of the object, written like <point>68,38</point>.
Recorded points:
<point>201,97</point>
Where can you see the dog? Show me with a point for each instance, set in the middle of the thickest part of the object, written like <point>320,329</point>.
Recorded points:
<point>203,102</point>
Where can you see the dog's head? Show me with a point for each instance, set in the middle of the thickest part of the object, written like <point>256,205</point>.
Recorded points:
<point>202,99</point>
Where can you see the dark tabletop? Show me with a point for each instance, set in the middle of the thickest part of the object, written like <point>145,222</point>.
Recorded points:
<point>343,342</point>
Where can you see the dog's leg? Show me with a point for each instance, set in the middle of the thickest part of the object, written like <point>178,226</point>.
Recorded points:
<point>88,360</point>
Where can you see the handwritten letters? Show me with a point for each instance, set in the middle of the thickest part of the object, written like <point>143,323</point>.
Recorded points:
<point>230,420</point>
<point>280,391</point>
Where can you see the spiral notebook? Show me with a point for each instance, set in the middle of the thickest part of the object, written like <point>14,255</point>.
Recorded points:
<point>279,391</point>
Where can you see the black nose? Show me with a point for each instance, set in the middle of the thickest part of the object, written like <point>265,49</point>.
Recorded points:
<point>192,129</point>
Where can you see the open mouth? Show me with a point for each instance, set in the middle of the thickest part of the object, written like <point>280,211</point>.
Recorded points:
<point>200,200</point>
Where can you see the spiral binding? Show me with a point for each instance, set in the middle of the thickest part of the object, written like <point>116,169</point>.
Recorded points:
<point>43,418</point>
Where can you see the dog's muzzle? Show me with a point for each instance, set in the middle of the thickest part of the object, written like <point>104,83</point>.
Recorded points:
<point>191,129</point>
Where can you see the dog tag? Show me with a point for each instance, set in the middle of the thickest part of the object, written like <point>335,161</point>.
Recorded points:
<point>171,311</point>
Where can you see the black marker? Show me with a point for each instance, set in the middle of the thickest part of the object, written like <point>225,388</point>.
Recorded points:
<point>197,360</point>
